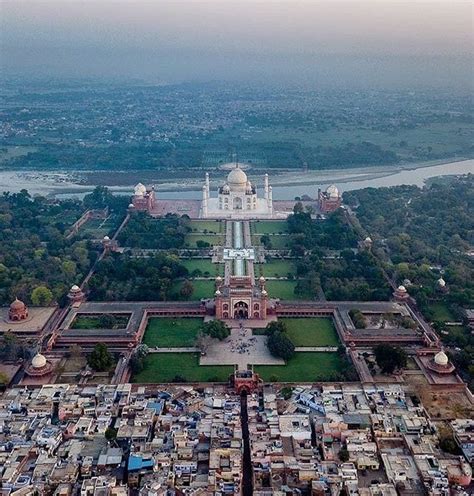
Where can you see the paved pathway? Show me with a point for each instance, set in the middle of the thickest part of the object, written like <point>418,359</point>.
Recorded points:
<point>241,349</point>
<point>322,349</point>
<point>189,349</point>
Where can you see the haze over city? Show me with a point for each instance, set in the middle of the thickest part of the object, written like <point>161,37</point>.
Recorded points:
<point>338,43</point>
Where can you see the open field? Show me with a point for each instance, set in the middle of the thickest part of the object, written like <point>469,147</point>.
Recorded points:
<point>164,367</point>
<point>84,321</point>
<point>276,268</point>
<point>303,367</point>
<point>202,289</point>
<point>269,226</point>
<point>211,239</point>
<point>211,226</point>
<point>204,265</point>
<point>319,331</point>
<point>171,333</point>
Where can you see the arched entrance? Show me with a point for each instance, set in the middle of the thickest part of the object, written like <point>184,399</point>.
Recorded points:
<point>237,203</point>
<point>241,310</point>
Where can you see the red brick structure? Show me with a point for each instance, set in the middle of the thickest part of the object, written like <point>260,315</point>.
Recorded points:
<point>245,381</point>
<point>241,298</point>
<point>18,311</point>
<point>143,200</point>
<point>329,200</point>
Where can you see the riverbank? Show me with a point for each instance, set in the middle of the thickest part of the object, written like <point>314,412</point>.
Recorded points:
<point>286,183</point>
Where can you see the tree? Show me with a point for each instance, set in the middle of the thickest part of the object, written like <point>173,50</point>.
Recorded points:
<point>389,358</point>
<point>276,326</point>
<point>216,329</point>
<point>110,434</point>
<point>343,455</point>
<point>280,345</point>
<point>107,321</point>
<point>187,289</point>
<point>4,380</point>
<point>41,296</point>
<point>100,359</point>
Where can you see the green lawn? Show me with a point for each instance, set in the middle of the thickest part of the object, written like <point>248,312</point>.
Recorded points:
<point>204,265</point>
<point>285,290</point>
<point>276,268</point>
<point>202,289</point>
<point>163,367</point>
<point>212,226</point>
<point>277,242</point>
<point>85,321</point>
<point>212,239</point>
<point>317,331</point>
<point>269,226</point>
<point>171,333</point>
<point>441,312</point>
<point>303,367</point>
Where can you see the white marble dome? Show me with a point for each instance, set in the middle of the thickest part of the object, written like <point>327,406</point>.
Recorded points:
<point>140,190</point>
<point>75,287</point>
<point>402,289</point>
<point>106,238</point>
<point>441,359</point>
<point>237,179</point>
<point>39,361</point>
<point>441,282</point>
<point>332,191</point>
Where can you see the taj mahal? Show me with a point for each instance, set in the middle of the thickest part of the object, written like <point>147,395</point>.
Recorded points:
<point>237,198</point>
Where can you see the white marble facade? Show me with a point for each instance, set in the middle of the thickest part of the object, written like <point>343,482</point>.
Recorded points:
<point>237,198</point>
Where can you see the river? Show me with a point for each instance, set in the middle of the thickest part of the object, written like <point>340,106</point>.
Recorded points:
<point>285,185</point>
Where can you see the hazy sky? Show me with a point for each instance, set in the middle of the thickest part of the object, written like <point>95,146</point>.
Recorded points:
<point>379,42</point>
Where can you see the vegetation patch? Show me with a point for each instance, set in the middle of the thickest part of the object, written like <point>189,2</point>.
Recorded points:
<point>201,288</point>
<point>202,267</point>
<point>277,267</point>
<point>180,367</point>
<point>269,226</point>
<point>207,226</point>
<point>306,367</point>
<point>203,240</point>
<point>285,290</point>
<point>171,333</point>
<point>319,331</point>
<point>104,321</point>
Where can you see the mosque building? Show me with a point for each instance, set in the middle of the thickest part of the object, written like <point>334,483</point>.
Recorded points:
<point>143,200</point>
<point>237,198</point>
<point>329,200</point>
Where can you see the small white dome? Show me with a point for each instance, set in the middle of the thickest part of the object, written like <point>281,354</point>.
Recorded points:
<point>217,293</point>
<point>106,238</point>
<point>225,188</point>
<point>38,361</point>
<point>131,205</point>
<point>140,190</point>
<point>332,191</point>
<point>218,279</point>
<point>75,287</point>
<point>402,289</point>
<point>441,282</point>
<point>368,239</point>
<point>264,292</point>
<point>441,359</point>
<point>262,279</point>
